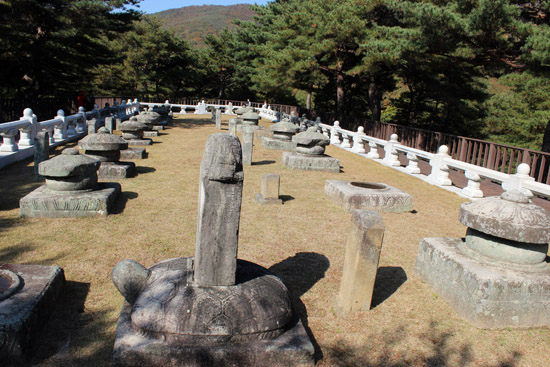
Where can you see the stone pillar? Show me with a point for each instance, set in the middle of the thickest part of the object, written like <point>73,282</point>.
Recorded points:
<point>373,150</point>
<point>361,262</point>
<point>473,189</point>
<point>515,182</point>
<point>92,126</point>
<point>440,171</point>
<point>60,131</point>
<point>248,144</point>
<point>220,195</point>
<point>80,124</point>
<point>334,136</point>
<point>412,167</point>
<point>110,123</point>
<point>27,133</point>
<point>391,156</point>
<point>269,190</point>
<point>9,141</point>
<point>218,118</point>
<point>358,146</point>
<point>41,150</point>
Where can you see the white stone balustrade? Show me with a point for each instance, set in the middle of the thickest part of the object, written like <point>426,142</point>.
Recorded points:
<point>345,141</point>
<point>412,167</point>
<point>473,189</point>
<point>358,145</point>
<point>440,171</point>
<point>373,150</point>
<point>27,132</point>
<point>391,156</point>
<point>334,135</point>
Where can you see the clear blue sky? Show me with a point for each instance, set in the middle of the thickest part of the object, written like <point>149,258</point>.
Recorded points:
<point>154,6</point>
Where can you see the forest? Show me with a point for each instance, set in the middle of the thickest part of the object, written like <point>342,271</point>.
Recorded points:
<point>477,68</point>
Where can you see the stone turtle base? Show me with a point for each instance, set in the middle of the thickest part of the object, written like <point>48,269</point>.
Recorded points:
<point>117,170</point>
<point>486,294</point>
<point>133,153</point>
<point>26,312</point>
<point>263,201</point>
<point>45,203</point>
<point>139,142</point>
<point>367,195</point>
<point>310,162</point>
<point>275,144</point>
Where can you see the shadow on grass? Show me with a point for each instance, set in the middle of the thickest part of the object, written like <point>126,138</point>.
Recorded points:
<point>17,181</point>
<point>388,280</point>
<point>191,123</point>
<point>299,273</point>
<point>120,203</point>
<point>442,352</point>
<point>263,163</point>
<point>10,253</point>
<point>143,169</point>
<point>286,198</point>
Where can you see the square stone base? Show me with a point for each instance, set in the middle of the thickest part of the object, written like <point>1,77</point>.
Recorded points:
<point>140,142</point>
<point>150,134</point>
<point>275,144</point>
<point>26,312</point>
<point>116,170</point>
<point>291,349</point>
<point>368,195</point>
<point>133,153</point>
<point>44,203</point>
<point>311,162</point>
<point>487,295</point>
<point>158,127</point>
<point>263,201</point>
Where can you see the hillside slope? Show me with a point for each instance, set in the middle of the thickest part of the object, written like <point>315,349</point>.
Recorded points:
<point>195,22</point>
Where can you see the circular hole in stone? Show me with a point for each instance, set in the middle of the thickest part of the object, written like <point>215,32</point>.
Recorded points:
<point>9,283</point>
<point>370,185</point>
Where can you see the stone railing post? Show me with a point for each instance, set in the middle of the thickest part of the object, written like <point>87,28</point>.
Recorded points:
<point>325,132</point>
<point>9,141</point>
<point>473,190</point>
<point>81,122</point>
<point>345,141</point>
<point>27,133</point>
<point>515,182</point>
<point>391,156</point>
<point>334,135</point>
<point>358,146</point>
<point>373,150</point>
<point>60,130</point>
<point>440,171</point>
<point>412,167</point>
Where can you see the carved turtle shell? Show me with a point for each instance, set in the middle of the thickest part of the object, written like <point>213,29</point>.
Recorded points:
<point>170,306</point>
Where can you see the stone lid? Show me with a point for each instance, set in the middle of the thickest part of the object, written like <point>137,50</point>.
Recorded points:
<point>311,137</point>
<point>250,115</point>
<point>68,164</point>
<point>132,125</point>
<point>285,126</point>
<point>243,110</point>
<point>148,117</point>
<point>103,141</point>
<point>510,216</point>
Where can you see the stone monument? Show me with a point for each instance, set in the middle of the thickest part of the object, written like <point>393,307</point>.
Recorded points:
<point>248,144</point>
<point>368,195</point>
<point>150,119</point>
<point>28,294</point>
<point>269,190</point>
<point>132,132</point>
<point>41,149</point>
<point>106,148</point>
<point>309,155</point>
<point>210,310</point>
<point>361,262</point>
<point>498,276</point>
<point>71,189</point>
<point>282,136</point>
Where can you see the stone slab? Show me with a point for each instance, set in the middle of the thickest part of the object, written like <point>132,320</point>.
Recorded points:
<point>140,142</point>
<point>45,203</point>
<point>26,312</point>
<point>158,127</point>
<point>133,153</point>
<point>150,134</point>
<point>487,295</point>
<point>275,144</point>
<point>292,348</point>
<point>117,170</point>
<point>368,195</point>
<point>306,162</point>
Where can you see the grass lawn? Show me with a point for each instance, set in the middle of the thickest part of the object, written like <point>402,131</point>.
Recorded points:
<point>303,241</point>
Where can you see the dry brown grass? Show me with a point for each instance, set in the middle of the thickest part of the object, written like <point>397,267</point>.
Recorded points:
<point>302,241</point>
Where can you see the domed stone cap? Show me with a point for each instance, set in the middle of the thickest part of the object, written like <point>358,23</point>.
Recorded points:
<point>69,163</point>
<point>510,216</point>
<point>170,305</point>
<point>162,111</point>
<point>243,110</point>
<point>311,137</point>
<point>284,126</point>
<point>132,125</point>
<point>250,115</point>
<point>103,141</point>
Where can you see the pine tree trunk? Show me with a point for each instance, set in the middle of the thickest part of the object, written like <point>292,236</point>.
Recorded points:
<point>374,101</point>
<point>546,139</point>
<point>308,100</point>
<point>340,95</point>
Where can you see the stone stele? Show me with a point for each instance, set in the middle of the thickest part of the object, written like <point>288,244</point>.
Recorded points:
<point>71,189</point>
<point>309,155</point>
<point>106,148</point>
<point>368,195</point>
<point>498,276</point>
<point>28,295</point>
<point>282,136</point>
<point>210,310</point>
<point>269,190</point>
<point>361,262</point>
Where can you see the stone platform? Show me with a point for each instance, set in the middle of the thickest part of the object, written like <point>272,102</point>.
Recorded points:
<point>311,162</point>
<point>117,170</point>
<point>150,133</point>
<point>276,144</point>
<point>133,153</point>
<point>487,294</point>
<point>368,195</point>
<point>26,312</point>
<point>46,203</point>
<point>140,142</point>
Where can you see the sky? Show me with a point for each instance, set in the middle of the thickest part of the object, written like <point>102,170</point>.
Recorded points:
<point>154,6</point>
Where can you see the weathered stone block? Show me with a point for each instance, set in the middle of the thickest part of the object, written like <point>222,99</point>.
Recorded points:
<point>150,133</point>
<point>43,202</point>
<point>133,153</point>
<point>248,145</point>
<point>485,294</point>
<point>26,311</point>
<point>275,144</point>
<point>368,195</point>
<point>118,170</point>
<point>41,149</point>
<point>269,190</point>
<point>139,142</point>
<point>311,162</point>
<point>361,262</point>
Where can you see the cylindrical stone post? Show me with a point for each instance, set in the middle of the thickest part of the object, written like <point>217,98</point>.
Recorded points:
<point>248,143</point>
<point>41,149</point>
